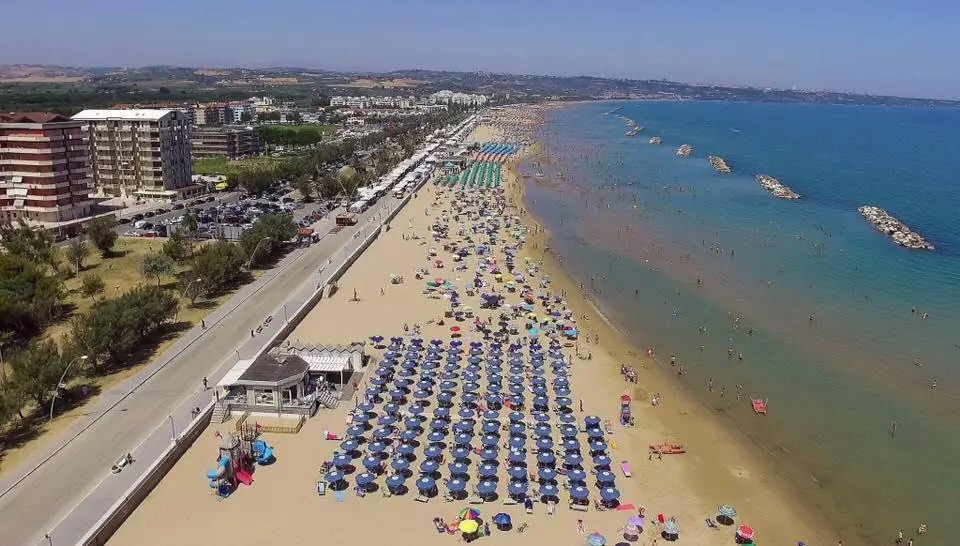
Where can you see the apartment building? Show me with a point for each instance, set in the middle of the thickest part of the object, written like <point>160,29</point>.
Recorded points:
<point>44,169</point>
<point>229,142</point>
<point>138,153</point>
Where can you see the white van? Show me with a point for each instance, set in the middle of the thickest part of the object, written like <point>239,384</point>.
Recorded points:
<point>139,224</point>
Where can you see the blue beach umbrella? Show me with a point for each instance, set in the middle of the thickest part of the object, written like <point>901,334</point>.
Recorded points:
<point>429,466</point>
<point>349,445</point>
<point>445,397</point>
<point>400,464</point>
<point>548,490</point>
<point>591,421</point>
<point>486,470</point>
<point>542,429</point>
<point>395,481</point>
<point>546,457</point>
<point>459,469</point>
<point>460,453</point>
<point>341,460</point>
<point>515,389</point>
<point>421,394</point>
<point>456,485</point>
<point>572,459</point>
<point>517,442</point>
<point>605,476</point>
<point>361,418</point>
<point>567,418</point>
<point>561,391</point>
<point>333,476</point>
<point>391,409</point>
<point>547,474</point>
<point>464,427</point>
<point>517,472</point>
<point>462,439</point>
<point>436,436</point>
<point>571,445</point>
<point>415,410</point>
<point>490,415</point>
<point>568,431</point>
<point>577,475</point>
<point>598,446</point>
<point>365,478</point>
<point>517,489</point>
<point>490,426</point>
<point>405,449</point>
<point>371,463</point>
<point>411,423</point>
<point>517,429</point>
<point>488,454</point>
<point>489,440</point>
<point>470,398</point>
<point>517,456</point>
<point>355,430</point>
<point>426,484</point>
<point>365,406</point>
<point>387,420</point>
<point>516,416</point>
<point>382,432</point>
<point>441,412</point>
<point>377,447</point>
<point>486,487</point>
<point>579,492</point>
<point>544,443</point>
<point>609,494</point>
<point>563,401</point>
<point>595,434</point>
<point>432,452</point>
<point>601,460</point>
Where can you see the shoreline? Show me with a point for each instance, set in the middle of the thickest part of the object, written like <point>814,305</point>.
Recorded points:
<point>691,413</point>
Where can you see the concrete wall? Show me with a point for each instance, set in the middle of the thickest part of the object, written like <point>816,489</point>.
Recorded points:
<point>103,529</point>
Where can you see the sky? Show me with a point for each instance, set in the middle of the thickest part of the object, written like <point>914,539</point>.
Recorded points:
<point>906,48</point>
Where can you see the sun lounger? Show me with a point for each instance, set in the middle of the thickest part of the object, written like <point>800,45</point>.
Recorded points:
<point>475,499</point>
<point>607,426</point>
<point>625,468</point>
<point>422,498</point>
<point>522,527</point>
<point>321,488</point>
<point>530,509</point>
<point>579,507</point>
<point>387,493</point>
<point>551,506</point>
<point>509,501</point>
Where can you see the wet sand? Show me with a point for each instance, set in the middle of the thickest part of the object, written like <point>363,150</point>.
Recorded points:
<point>283,507</point>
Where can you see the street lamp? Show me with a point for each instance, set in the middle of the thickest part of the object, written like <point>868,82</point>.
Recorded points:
<point>61,384</point>
<point>254,253</point>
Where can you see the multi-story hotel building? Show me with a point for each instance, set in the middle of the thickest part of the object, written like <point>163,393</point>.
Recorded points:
<point>44,169</point>
<point>139,153</point>
<point>229,142</point>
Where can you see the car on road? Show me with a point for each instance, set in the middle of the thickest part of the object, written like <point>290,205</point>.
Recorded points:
<point>123,221</point>
<point>149,214</point>
<point>177,206</point>
<point>137,217</point>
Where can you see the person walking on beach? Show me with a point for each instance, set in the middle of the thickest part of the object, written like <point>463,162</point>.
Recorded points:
<point>710,384</point>
<point>899,536</point>
<point>204,383</point>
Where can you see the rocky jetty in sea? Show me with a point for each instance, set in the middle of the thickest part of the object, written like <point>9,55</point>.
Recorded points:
<point>719,164</point>
<point>685,150</point>
<point>897,230</point>
<point>776,188</point>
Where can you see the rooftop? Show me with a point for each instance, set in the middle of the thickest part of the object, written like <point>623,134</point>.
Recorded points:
<point>122,115</point>
<point>32,117</point>
<point>269,368</point>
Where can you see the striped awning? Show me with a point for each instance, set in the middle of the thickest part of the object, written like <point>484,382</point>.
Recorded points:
<point>327,363</point>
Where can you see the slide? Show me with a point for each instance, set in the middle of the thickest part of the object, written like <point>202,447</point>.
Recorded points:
<point>266,457</point>
<point>243,477</point>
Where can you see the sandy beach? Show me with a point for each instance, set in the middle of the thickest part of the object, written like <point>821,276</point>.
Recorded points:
<point>283,507</point>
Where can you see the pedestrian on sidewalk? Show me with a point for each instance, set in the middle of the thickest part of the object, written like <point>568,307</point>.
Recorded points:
<point>205,383</point>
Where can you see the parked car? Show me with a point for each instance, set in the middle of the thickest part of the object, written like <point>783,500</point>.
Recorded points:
<point>177,206</point>
<point>123,221</point>
<point>137,217</point>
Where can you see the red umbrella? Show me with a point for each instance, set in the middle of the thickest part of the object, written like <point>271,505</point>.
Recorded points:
<point>745,532</point>
<point>454,328</point>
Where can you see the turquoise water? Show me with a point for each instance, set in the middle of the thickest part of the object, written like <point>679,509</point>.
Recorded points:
<point>645,225</point>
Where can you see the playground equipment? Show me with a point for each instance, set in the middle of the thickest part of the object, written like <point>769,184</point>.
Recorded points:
<point>626,413</point>
<point>263,453</point>
<point>235,463</point>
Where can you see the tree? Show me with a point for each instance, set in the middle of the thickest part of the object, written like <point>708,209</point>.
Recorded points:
<point>267,236</point>
<point>189,224</point>
<point>36,369</point>
<point>246,117</point>
<point>76,251</point>
<point>102,233</point>
<point>157,264</point>
<point>217,265</point>
<point>110,331</point>
<point>179,246</point>
<point>30,296</point>
<point>34,245</point>
<point>304,186</point>
<point>92,286</point>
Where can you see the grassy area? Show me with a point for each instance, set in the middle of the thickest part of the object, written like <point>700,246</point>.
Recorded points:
<point>119,273</point>
<point>221,165</point>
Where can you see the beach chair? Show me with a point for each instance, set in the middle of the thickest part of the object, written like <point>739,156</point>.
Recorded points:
<point>475,499</point>
<point>321,488</point>
<point>551,506</point>
<point>387,493</point>
<point>522,527</point>
<point>607,426</point>
<point>579,507</point>
<point>625,468</point>
<point>422,498</point>
<point>509,501</point>
<point>529,509</point>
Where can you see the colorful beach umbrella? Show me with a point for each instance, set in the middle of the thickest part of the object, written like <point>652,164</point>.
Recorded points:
<point>468,513</point>
<point>469,526</point>
<point>745,532</point>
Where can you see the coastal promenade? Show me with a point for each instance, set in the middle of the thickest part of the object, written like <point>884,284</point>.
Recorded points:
<point>73,482</point>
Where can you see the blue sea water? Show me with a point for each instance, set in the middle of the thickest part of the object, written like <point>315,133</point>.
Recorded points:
<point>640,226</point>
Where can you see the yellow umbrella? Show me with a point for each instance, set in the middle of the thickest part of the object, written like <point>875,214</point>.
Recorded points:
<point>469,526</point>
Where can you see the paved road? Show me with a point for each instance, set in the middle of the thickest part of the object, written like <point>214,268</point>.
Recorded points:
<point>43,499</point>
